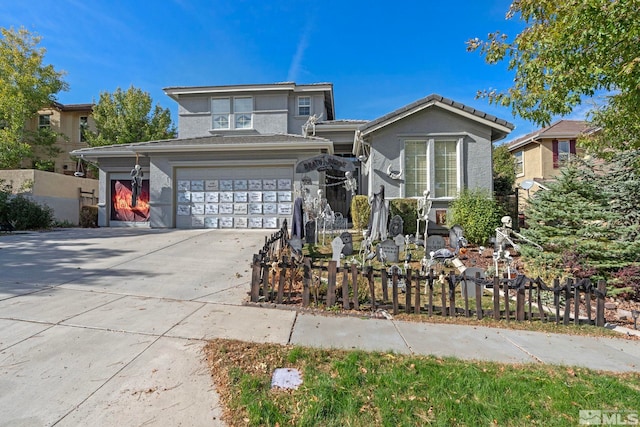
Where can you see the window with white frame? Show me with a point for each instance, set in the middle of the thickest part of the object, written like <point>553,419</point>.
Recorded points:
<point>232,113</point>
<point>44,121</point>
<point>433,165</point>
<point>445,161</point>
<point>304,105</point>
<point>519,161</point>
<point>415,168</point>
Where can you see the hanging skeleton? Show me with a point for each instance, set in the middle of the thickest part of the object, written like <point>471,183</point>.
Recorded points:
<point>136,184</point>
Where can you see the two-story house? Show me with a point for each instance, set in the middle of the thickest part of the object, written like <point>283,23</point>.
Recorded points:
<point>234,163</point>
<point>69,121</point>
<point>541,154</point>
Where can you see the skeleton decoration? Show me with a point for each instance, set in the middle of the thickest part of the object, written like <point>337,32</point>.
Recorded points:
<point>136,184</point>
<point>424,207</point>
<point>505,236</point>
<point>350,183</point>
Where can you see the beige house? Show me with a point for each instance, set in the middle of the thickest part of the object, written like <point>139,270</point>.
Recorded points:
<point>541,154</point>
<point>69,121</point>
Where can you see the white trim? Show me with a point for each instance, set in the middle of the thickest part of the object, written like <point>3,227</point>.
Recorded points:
<point>473,117</point>
<point>209,163</point>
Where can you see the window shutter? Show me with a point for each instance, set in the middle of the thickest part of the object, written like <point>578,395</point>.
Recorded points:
<point>554,145</point>
<point>572,147</point>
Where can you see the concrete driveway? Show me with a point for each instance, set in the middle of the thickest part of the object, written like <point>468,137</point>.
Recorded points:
<point>105,326</point>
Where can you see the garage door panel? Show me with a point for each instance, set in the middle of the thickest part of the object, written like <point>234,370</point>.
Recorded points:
<point>234,197</point>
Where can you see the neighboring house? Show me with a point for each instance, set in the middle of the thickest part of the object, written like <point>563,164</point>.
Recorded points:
<point>541,154</point>
<point>234,162</point>
<point>69,121</point>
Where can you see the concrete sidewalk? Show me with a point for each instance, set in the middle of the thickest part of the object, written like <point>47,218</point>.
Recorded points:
<point>107,326</point>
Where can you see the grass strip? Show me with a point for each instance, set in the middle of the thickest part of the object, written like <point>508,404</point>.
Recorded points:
<point>357,388</point>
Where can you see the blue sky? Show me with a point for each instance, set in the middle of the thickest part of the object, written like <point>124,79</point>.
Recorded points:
<point>379,56</point>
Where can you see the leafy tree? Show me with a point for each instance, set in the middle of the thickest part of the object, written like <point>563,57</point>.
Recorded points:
<point>568,51</point>
<point>504,170</point>
<point>26,86</point>
<point>125,117</point>
<point>478,213</point>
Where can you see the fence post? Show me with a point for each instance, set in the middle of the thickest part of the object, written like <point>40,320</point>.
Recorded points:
<point>602,292</point>
<point>452,294</point>
<point>394,290</point>
<point>567,301</point>
<point>430,284</point>
<point>443,297</point>
<point>496,297</point>
<point>507,308</point>
<point>539,301</point>
<point>345,289</point>
<point>465,294</point>
<point>372,288</point>
<point>556,298</point>
<point>306,282</point>
<point>587,300</point>
<point>283,274</point>
<point>354,283</point>
<point>576,304</point>
<point>407,299</point>
<point>479,292</point>
<point>384,278</point>
<point>520,304</point>
<point>332,271</point>
<point>255,278</point>
<point>266,287</point>
<point>416,309</point>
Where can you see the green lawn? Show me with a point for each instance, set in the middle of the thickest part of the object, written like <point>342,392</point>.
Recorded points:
<point>357,388</point>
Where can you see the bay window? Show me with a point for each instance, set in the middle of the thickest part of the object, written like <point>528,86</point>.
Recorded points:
<point>434,165</point>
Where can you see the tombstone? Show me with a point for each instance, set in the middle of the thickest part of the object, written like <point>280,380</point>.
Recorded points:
<point>296,245</point>
<point>347,239</point>
<point>471,284</point>
<point>390,249</point>
<point>310,232</point>
<point>399,241</point>
<point>396,226</point>
<point>337,245</point>
<point>434,243</point>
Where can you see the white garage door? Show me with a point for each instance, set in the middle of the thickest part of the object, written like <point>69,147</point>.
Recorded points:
<point>234,197</point>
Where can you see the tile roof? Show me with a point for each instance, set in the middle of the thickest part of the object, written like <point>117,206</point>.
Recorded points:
<point>203,141</point>
<point>432,99</point>
<point>559,129</point>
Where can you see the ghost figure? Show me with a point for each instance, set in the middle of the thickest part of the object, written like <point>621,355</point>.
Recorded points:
<point>136,184</point>
<point>379,216</point>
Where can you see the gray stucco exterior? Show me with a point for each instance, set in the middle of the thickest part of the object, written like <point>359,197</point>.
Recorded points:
<point>275,144</point>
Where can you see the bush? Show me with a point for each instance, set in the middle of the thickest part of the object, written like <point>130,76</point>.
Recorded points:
<point>625,283</point>
<point>407,209</point>
<point>25,214</point>
<point>89,217</point>
<point>478,213</point>
<point>360,211</point>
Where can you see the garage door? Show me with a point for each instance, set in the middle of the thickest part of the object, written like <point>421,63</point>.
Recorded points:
<point>234,197</point>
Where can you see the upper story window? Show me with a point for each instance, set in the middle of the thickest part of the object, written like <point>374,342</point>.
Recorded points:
<point>563,152</point>
<point>304,105</point>
<point>84,124</point>
<point>519,161</point>
<point>232,113</point>
<point>44,121</point>
<point>433,165</point>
